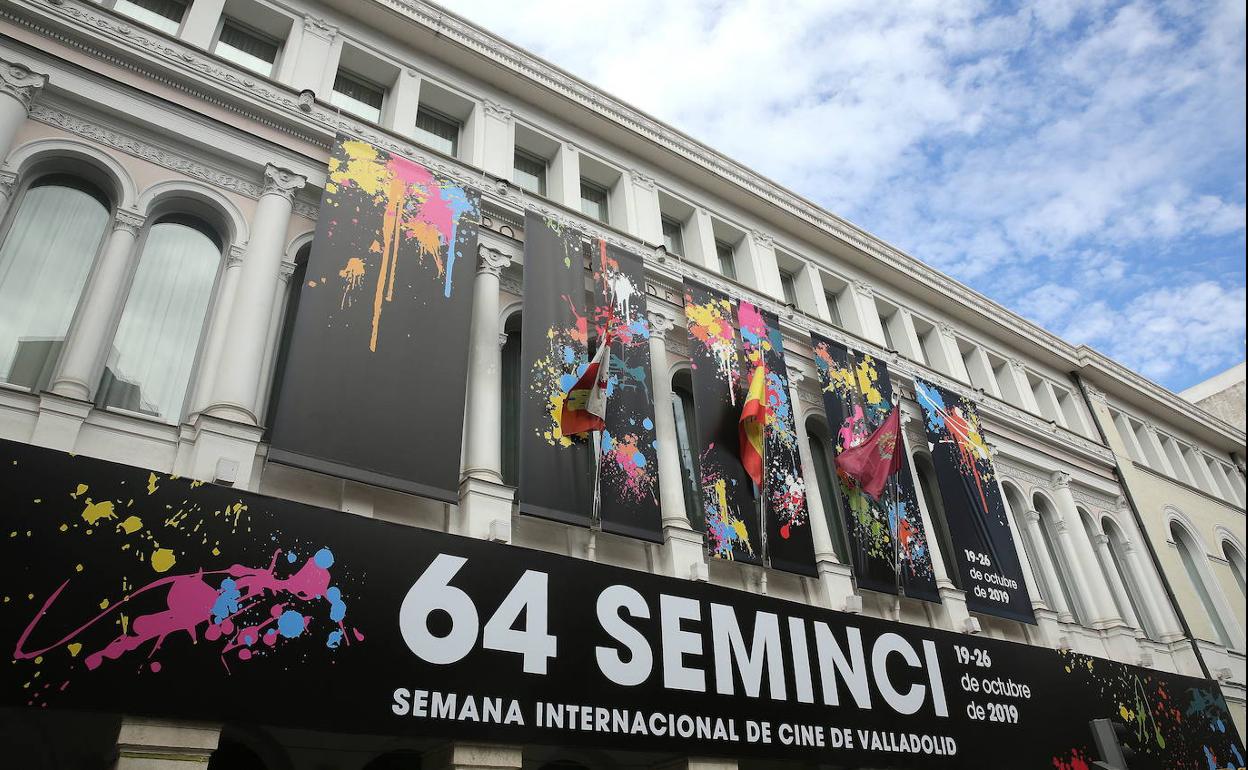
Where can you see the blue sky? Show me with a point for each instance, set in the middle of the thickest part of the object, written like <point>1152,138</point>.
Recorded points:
<point>1080,162</point>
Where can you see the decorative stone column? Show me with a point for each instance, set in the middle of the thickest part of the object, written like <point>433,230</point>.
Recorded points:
<point>484,457</point>
<point>1057,599</point>
<point>18,87</point>
<point>1072,534</point>
<point>1154,593</point>
<point>868,313</point>
<point>682,546</point>
<point>154,744</point>
<point>1100,543</point>
<point>497,154</point>
<point>825,549</point>
<point>8,183</point>
<point>474,756</point>
<point>87,344</point>
<point>239,373</point>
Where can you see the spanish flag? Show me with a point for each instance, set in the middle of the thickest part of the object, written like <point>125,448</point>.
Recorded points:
<point>585,406</point>
<point>753,420</point>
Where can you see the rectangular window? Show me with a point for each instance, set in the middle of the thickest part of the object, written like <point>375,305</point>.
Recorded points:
<point>594,201</point>
<point>885,322</point>
<point>834,308</point>
<point>727,260</point>
<point>164,15</point>
<point>433,129</point>
<point>788,285</point>
<point>247,48</point>
<point>529,172</point>
<point>673,236</point>
<point>358,96</point>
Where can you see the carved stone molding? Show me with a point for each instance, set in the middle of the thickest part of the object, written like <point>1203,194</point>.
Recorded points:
<point>491,261</point>
<point>286,271</point>
<point>235,257</point>
<point>1060,479</point>
<point>19,82</point>
<point>863,288</point>
<point>130,221</point>
<point>1033,516</point>
<point>8,180</point>
<point>797,375</point>
<point>762,239</point>
<point>642,180</point>
<point>283,182</point>
<point>946,329</point>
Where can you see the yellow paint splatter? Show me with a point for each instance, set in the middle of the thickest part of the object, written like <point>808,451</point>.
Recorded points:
<point>163,559</point>
<point>74,648</point>
<point>216,551</point>
<point>104,604</point>
<point>151,484</point>
<point>96,511</point>
<point>82,490</point>
<point>77,568</point>
<point>38,659</point>
<point>131,525</point>
<point>64,527</point>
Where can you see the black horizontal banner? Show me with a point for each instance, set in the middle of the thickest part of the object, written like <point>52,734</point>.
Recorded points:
<point>136,592</point>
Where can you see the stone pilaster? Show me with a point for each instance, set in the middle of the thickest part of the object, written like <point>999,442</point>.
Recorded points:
<point>18,88</point>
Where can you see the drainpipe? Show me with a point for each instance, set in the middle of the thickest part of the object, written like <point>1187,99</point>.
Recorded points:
<point>1139,523</point>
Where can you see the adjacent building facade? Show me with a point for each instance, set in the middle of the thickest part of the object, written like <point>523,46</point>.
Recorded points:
<point>186,141</point>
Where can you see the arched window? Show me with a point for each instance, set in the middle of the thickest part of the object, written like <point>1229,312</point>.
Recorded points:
<point>1016,504</point>
<point>1060,558</point>
<point>1189,553</point>
<point>154,349</point>
<point>829,490</point>
<point>930,490</point>
<point>294,292</point>
<point>51,243</point>
<point>686,439</point>
<point>1132,582</point>
<point>1121,603</point>
<point>1235,558</point>
<point>511,401</point>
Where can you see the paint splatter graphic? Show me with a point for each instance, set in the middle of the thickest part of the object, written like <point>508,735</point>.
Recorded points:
<point>710,326</point>
<point>155,587</point>
<point>629,458</point>
<point>727,533</point>
<point>1187,729</point>
<point>958,425</point>
<point>420,223</point>
<point>886,535</point>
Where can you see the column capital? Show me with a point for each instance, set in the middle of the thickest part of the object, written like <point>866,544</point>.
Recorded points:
<point>502,339</point>
<point>643,180</point>
<point>318,27</point>
<point>492,260</point>
<point>1128,546</point>
<point>1120,503</point>
<point>946,329</point>
<point>796,375</point>
<point>1016,364</point>
<point>1060,479</point>
<point>129,221</point>
<point>17,80</point>
<point>280,181</point>
<point>661,322</point>
<point>496,110</point>
<point>1101,539</point>
<point>1033,516</point>
<point>235,257</point>
<point>762,239</point>
<point>864,288</point>
<point>1095,393</point>
<point>286,270</point>
<point>1060,525</point>
<point>8,180</point>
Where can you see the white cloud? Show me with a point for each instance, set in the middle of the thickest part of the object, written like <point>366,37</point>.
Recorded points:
<point>1095,147</point>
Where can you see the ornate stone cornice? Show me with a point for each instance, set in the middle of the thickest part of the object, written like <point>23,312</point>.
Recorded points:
<point>491,261</point>
<point>283,182</point>
<point>129,221</point>
<point>19,82</point>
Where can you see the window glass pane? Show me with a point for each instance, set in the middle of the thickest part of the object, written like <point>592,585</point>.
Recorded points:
<point>252,50</point>
<point>288,329</point>
<point>438,131</point>
<point>44,262</point>
<point>673,236</point>
<point>834,309</point>
<point>530,172</point>
<point>593,201</point>
<point>888,334</point>
<point>727,263</point>
<point>788,285</point>
<point>149,365</point>
<point>682,409</point>
<point>164,15</point>
<point>830,496</point>
<point>358,96</point>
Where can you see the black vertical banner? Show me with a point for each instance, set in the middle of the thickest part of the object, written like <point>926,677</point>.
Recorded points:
<point>732,518</point>
<point>790,545</point>
<point>630,466</point>
<point>374,383</point>
<point>555,470</point>
<point>983,546</point>
<point>857,397</point>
